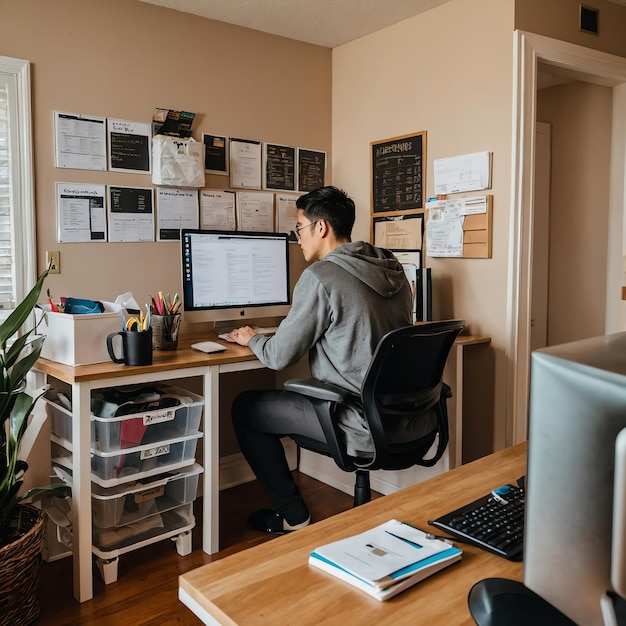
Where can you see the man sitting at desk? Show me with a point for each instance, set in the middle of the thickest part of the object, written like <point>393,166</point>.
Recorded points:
<point>343,304</point>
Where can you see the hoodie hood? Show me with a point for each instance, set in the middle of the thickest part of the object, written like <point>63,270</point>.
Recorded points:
<point>358,257</point>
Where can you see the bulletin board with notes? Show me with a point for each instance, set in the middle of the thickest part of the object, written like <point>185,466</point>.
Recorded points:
<point>460,228</point>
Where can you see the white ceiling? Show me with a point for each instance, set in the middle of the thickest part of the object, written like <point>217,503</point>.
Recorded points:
<point>328,23</point>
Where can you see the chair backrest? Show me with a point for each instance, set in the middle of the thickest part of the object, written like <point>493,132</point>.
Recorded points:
<point>405,378</point>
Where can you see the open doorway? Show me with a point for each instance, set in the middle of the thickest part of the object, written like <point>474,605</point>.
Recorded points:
<point>590,66</point>
<point>570,231</point>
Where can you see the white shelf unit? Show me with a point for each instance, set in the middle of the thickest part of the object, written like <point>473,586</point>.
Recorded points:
<point>139,495</point>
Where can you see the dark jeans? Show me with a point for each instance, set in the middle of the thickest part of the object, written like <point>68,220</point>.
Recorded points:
<point>260,419</point>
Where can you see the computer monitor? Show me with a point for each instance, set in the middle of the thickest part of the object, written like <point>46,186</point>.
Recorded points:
<point>574,550</point>
<point>234,276</point>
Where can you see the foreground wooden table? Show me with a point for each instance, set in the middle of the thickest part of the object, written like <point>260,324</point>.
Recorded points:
<point>273,583</point>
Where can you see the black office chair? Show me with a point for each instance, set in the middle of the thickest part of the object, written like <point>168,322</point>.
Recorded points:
<point>405,378</point>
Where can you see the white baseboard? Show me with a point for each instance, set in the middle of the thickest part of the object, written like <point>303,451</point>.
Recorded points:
<point>324,469</point>
<point>234,469</point>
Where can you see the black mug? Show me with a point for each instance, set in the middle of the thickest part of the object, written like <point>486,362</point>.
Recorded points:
<point>136,347</point>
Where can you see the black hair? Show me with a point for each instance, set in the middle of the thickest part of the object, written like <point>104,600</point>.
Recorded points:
<point>332,205</point>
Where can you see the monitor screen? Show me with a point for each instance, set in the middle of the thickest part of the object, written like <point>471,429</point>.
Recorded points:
<point>234,275</point>
<point>574,546</point>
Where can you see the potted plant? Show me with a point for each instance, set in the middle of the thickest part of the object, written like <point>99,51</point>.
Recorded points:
<point>21,525</point>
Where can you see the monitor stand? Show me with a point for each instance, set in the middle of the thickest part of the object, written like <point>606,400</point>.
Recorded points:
<point>502,602</point>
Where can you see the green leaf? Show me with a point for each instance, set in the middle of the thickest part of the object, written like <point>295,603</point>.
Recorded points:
<point>19,415</point>
<point>22,367</point>
<point>17,318</point>
<point>58,491</point>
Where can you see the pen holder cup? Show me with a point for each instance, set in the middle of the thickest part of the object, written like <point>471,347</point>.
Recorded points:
<point>165,330</point>
<point>136,347</point>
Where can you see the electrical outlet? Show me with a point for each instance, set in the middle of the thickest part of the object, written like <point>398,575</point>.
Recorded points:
<point>53,261</point>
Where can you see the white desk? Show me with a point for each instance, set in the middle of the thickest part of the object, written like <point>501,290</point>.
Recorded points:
<point>169,366</point>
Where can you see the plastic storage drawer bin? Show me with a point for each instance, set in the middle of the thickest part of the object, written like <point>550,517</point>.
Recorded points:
<point>130,502</point>
<point>118,506</point>
<point>108,541</point>
<point>111,468</point>
<point>109,434</point>
<point>60,416</point>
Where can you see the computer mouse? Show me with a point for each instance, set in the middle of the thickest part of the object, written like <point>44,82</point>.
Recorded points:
<point>503,602</point>
<point>208,346</point>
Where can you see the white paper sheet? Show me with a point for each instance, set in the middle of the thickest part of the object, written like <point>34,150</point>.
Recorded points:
<point>286,212</point>
<point>255,211</point>
<point>399,234</point>
<point>176,209</point>
<point>80,141</point>
<point>81,214</point>
<point>468,172</point>
<point>245,164</point>
<point>217,209</point>
<point>444,234</point>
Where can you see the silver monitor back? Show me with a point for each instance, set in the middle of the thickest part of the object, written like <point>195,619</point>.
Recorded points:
<point>577,410</point>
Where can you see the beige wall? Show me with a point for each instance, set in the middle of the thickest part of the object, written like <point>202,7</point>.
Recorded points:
<point>124,58</point>
<point>560,19</point>
<point>447,71</point>
<point>580,115</point>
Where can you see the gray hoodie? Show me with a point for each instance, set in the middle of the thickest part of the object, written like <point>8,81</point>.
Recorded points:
<point>342,306</point>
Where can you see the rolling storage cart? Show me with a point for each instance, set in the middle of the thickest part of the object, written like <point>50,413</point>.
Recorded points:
<point>144,478</point>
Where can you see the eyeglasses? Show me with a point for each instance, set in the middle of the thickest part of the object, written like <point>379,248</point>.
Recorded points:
<point>297,230</point>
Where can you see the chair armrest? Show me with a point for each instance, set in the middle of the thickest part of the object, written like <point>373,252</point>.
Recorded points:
<point>316,389</point>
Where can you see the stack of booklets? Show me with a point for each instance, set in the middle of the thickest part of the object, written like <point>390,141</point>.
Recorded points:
<point>385,560</point>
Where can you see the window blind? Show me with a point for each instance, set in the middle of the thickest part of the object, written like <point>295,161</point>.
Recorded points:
<point>18,267</point>
<point>7,273</point>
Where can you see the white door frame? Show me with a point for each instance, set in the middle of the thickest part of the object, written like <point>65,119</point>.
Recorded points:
<point>590,66</point>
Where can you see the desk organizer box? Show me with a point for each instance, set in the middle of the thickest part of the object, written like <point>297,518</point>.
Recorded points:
<point>110,434</point>
<point>78,339</point>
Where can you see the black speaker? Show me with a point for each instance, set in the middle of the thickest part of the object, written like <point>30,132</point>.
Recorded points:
<point>424,296</point>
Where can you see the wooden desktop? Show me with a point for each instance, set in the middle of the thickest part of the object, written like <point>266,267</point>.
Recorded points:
<point>274,584</point>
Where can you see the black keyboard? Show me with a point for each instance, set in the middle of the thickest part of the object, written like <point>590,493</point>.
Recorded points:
<point>494,522</point>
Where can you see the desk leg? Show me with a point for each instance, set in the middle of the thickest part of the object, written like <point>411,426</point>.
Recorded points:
<point>453,375</point>
<point>457,432</point>
<point>81,492</point>
<point>210,500</point>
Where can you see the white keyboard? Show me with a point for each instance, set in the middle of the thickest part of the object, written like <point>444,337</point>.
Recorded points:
<point>266,330</point>
<point>261,330</point>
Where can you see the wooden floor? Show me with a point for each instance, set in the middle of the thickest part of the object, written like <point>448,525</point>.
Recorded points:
<point>146,591</point>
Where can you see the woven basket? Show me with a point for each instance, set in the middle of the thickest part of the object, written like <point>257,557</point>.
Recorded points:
<point>19,570</point>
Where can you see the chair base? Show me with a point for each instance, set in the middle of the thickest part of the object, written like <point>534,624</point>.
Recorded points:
<point>362,489</point>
